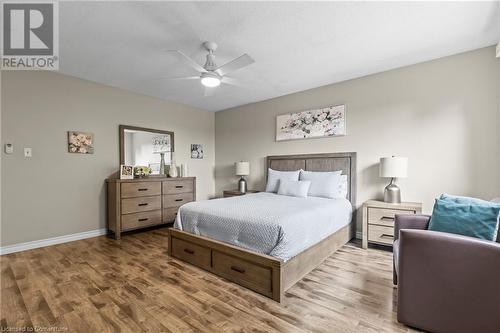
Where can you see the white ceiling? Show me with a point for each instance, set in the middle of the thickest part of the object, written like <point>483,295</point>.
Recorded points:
<point>296,45</point>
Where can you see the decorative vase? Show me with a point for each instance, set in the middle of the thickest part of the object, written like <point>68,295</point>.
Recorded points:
<point>172,172</point>
<point>162,164</point>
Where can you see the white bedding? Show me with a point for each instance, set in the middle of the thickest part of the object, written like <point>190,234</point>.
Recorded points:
<point>277,225</point>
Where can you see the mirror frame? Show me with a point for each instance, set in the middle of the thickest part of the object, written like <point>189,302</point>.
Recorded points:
<point>121,130</point>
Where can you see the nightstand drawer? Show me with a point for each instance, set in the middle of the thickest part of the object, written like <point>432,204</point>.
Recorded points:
<point>384,216</point>
<point>380,234</point>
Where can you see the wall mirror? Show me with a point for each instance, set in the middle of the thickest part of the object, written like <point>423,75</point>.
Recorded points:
<point>145,147</point>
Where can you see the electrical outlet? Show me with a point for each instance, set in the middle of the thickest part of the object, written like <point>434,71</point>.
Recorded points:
<point>27,152</point>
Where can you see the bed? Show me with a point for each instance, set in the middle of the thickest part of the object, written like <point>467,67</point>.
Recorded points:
<point>264,241</point>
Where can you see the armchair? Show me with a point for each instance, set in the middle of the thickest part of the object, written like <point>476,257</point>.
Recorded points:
<point>446,282</point>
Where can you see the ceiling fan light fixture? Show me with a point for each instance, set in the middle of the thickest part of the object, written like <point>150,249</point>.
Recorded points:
<point>210,80</point>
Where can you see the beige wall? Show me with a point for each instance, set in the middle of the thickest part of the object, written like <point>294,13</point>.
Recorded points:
<point>443,115</point>
<point>55,193</point>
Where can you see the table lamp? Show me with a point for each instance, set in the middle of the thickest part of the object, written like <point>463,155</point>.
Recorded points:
<point>242,169</point>
<point>393,167</point>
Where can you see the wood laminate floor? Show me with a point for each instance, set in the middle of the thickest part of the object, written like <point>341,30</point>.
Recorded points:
<point>132,285</point>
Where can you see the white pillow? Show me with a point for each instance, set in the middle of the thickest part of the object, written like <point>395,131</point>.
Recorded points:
<point>323,184</point>
<point>294,188</point>
<point>274,176</point>
<point>342,189</point>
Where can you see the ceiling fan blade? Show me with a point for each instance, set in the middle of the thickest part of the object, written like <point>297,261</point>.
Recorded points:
<point>209,91</point>
<point>181,56</point>
<point>231,81</point>
<point>175,78</point>
<point>235,64</point>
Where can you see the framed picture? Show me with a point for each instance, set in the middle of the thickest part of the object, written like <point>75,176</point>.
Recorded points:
<point>315,123</point>
<point>126,172</point>
<point>196,151</point>
<point>80,142</point>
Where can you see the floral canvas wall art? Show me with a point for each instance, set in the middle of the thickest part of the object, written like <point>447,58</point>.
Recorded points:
<point>80,142</point>
<point>324,122</point>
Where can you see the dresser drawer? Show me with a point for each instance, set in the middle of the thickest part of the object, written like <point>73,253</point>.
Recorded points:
<point>140,220</point>
<point>169,214</point>
<point>177,186</point>
<point>384,216</point>
<point>245,273</point>
<point>194,254</point>
<point>380,234</point>
<point>140,189</point>
<point>176,200</point>
<point>141,204</point>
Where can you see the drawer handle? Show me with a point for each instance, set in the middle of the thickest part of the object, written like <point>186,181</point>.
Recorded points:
<point>389,218</point>
<point>237,269</point>
<point>143,204</point>
<point>189,251</point>
<point>142,220</point>
<point>142,189</point>
<point>179,186</point>
<point>386,235</point>
<point>178,199</point>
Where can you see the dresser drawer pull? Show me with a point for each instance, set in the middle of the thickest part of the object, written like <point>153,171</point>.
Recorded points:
<point>143,204</point>
<point>142,189</point>
<point>142,220</point>
<point>179,186</point>
<point>386,235</point>
<point>178,199</point>
<point>237,269</point>
<point>388,218</point>
<point>189,251</point>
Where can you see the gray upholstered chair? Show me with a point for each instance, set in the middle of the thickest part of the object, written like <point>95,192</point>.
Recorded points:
<point>446,282</point>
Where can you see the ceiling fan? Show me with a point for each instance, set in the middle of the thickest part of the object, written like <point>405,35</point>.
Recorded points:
<point>211,76</point>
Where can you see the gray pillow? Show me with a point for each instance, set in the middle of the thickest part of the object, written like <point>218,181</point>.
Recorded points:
<point>324,184</point>
<point>294,188</point>
<point>274,176</point>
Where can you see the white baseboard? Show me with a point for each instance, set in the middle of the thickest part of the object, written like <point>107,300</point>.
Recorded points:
<point>51,241</point>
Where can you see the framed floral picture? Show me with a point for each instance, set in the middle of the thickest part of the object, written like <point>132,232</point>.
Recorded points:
<point>80,142</point>
<point>316,123</point>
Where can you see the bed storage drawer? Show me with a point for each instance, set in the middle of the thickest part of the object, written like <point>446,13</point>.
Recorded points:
<point>245,273</point>
<point>140,220</point>
<point>176,200</point>
<point>194,254</point>
<point>140,189</point>
<point>380,234</point>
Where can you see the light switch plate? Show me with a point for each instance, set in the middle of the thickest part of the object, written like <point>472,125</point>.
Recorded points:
<point>27,152</point>
<point>9,148</point>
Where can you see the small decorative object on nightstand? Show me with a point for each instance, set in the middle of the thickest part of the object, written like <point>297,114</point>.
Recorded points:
<point>242,169</point>
<point>378,220</point>
<point>393,167</point>
<point>235,193</point>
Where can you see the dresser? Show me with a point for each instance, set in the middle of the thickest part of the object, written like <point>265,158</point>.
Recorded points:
<point>378,220</point>
<point>145,202</point>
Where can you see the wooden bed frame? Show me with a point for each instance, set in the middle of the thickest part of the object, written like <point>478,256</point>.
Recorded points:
<point>264,274</point>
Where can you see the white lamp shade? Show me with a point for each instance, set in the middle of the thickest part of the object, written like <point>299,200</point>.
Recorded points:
<point>393,167</point>
<point>242,168</point>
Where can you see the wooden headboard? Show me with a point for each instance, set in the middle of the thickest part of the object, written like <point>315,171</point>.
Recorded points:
<point>320,162</point>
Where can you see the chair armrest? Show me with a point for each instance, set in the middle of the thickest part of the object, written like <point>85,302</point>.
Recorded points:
<point>410,221</point>
<point>448,283</point>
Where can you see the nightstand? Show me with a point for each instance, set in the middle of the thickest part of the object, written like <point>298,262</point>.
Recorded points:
<point>235,193</point>
<point>378,220</point>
